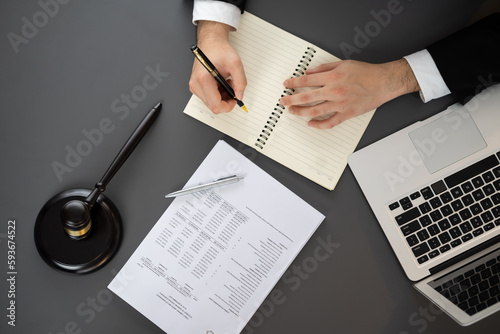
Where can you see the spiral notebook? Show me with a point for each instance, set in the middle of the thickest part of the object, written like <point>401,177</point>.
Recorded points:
<point>270,55</point>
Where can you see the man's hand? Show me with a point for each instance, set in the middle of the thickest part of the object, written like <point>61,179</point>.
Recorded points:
<point>347,89</point>
<point>213,40</point>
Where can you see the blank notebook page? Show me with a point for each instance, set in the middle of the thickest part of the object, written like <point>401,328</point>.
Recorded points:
<point>270,55</point>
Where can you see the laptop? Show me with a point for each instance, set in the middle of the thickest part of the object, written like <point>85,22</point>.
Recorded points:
<point>434,188</point>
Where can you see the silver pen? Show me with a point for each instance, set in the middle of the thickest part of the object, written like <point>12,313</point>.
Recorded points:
<point>218,183</point>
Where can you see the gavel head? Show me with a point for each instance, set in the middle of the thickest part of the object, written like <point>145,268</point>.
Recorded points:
<point>76,219</point>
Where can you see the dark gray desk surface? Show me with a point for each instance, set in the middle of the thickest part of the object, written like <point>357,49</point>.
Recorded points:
<point>65,78</point>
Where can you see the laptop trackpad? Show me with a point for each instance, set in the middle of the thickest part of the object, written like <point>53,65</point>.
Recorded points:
<point>447,140</point>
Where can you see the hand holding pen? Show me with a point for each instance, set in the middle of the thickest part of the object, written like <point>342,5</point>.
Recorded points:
<point>213,40</point>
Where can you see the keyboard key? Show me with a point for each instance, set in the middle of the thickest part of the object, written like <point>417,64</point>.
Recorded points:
<point>473,291</point>
<point>478,194</point>
<point>494,291</point>
<point>480,267</point>
<point>471,311</point>
<point>444,237</point>
<point>434,243</point>
<point>488,227</point>
<point>454,219</point>
<point>483,286</point>
<point>445,248</point>
<point>415,195</point>
<point>465,227</point>
<point>445,292</point>
<point>496,171</point>
<point>473,301</point>
<point>496,198</point>
<point>407,216</point>
<point>459,278</point>
<point>465,284</point>
<point>488,177</point>
<point>486,204</point>
<point>495,269</point>
<point>462,296</point>
<point>435,215</point>
<point>422,259</point>
<point>420,249</point>
<point>494,280</point>
<point>496,184</point>
<point>425,207</point>
<point>448,284</point>
<point>394,206</point>
<point>410,228</point>
<point>488,189</point>
<point>486,273</point>
<point>456,192</point>
<point>426,192</point>
<point>455,289</point>
<point>484,296</point>
<point>465,214</point>
<point>407,206</point>
<point>491,301</point>
<point>425,220</point>
<point>463,305</point>
<point>476,222</point>
<point>433,229</point>
<point>469,273</point>
<point>477,232</point>
<point>404,200</point>
<point>491,262</point>
<point>467,200</point>
<point>487,217</point>
<point>444,224</point>
<point>496,211</point>
<point>433,254</point>
<point>467,187</point>
<point>466,237</point>
<point>455,232</point>
<point>457,205</point>
<point>455,243</point>
<point>446,210</point>
<point>412,240</point>
<point>423,235</point>
<point>438,187</point>
<point>475,279</point>
<point>435,202</point>
<point>446,197</point>
<point>471,171</point>
<point>480,307</point>
<point>476,209</point>
<point>477,182</point>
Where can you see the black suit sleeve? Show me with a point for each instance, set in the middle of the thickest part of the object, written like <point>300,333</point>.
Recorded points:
<point>469,60</point>
<point>238,3</point>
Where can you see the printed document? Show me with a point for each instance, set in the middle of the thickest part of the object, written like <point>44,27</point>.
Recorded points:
<point>214,256</point>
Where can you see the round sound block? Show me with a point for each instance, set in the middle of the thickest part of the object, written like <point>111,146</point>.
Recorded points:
<point>78,256</point>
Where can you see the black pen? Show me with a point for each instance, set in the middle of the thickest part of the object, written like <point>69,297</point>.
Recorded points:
<point>211,68</point>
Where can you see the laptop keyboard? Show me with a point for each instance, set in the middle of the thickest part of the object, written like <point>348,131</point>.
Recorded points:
<point>451,211</point>
<point>474,288</point>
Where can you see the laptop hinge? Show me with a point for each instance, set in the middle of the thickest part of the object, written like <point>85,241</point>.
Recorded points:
<point>465,255</point>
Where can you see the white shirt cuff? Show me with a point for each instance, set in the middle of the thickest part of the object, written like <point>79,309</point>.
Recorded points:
<point>223,12</point>
<point>432,85</point>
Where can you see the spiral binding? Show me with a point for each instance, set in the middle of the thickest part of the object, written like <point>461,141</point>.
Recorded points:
<point>279,108</point>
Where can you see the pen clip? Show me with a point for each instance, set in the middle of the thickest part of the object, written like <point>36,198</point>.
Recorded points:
<point>225,178</point>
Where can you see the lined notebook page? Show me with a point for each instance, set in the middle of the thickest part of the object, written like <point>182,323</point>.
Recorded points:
<point>270,55</point>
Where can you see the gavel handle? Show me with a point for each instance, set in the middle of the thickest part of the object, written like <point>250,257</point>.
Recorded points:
<point>124,153</point>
